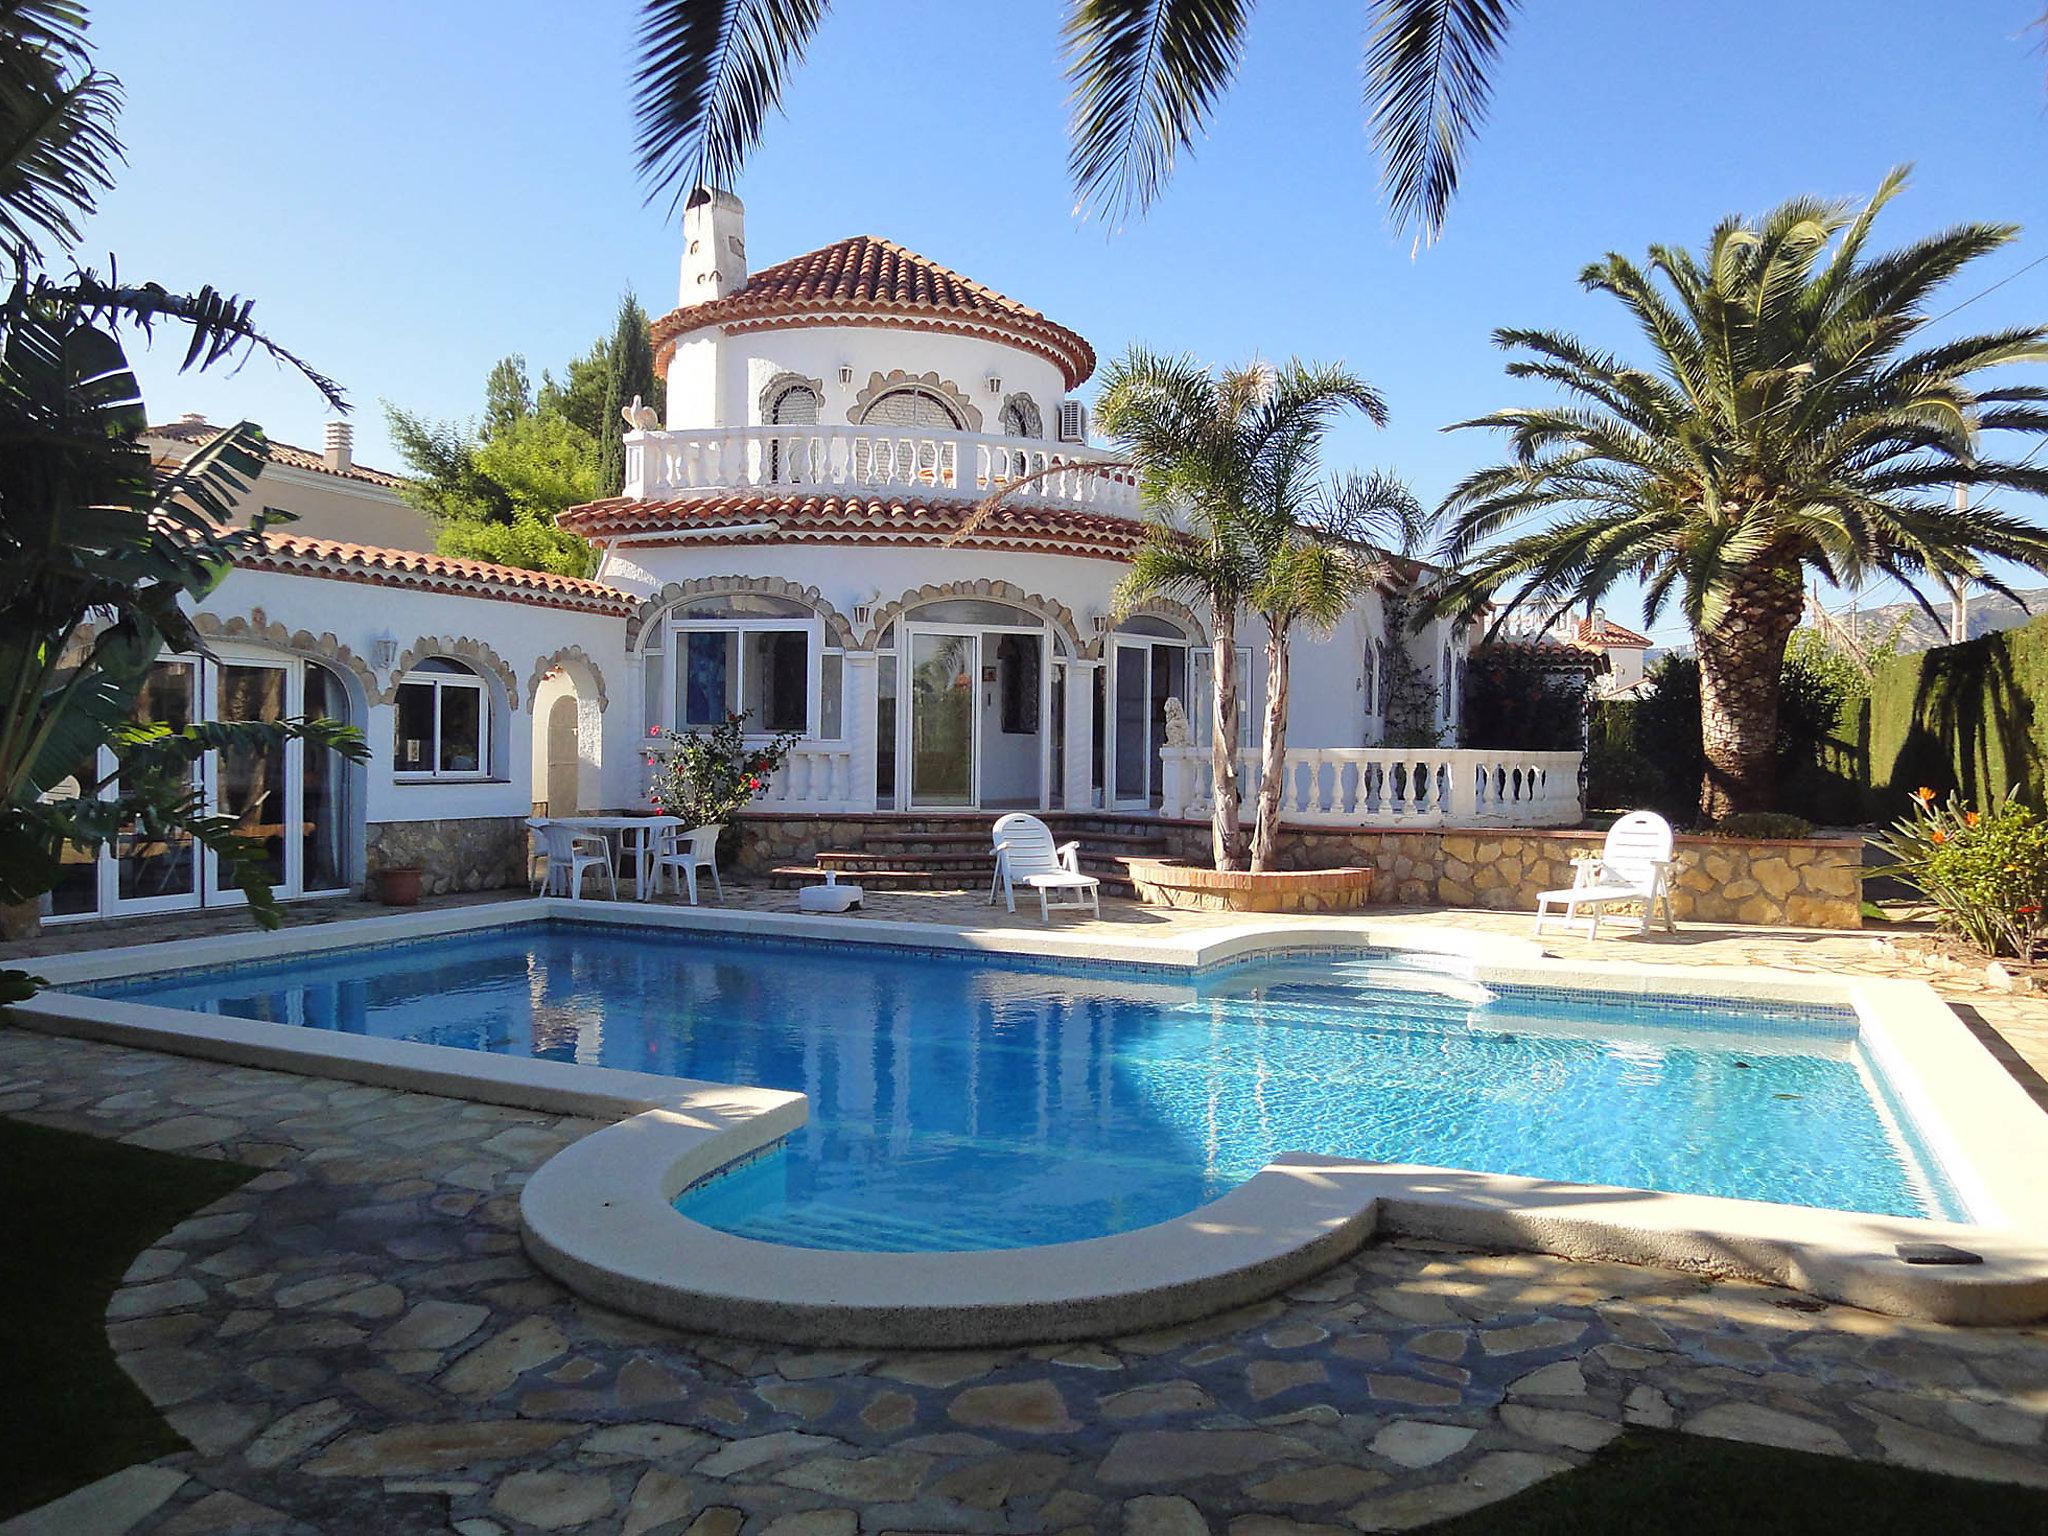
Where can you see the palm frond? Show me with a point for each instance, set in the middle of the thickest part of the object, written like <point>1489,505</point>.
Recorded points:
<point>57,145</point>
<point>1145,75</point>
<point>1428,83</point>
<point>708,75</point>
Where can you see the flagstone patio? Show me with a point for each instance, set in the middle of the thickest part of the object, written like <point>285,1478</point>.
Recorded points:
<point>355,1340</point>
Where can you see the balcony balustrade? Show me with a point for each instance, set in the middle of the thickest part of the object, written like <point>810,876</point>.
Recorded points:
<point>1390,786</point>
<point>793,460</point>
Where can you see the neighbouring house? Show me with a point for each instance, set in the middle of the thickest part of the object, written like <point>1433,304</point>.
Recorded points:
<point>326,492</point>
<point>1625,650</point>
<point>796,543</point>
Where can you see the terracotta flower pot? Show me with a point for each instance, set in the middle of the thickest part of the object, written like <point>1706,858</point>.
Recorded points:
<point>398,886</point>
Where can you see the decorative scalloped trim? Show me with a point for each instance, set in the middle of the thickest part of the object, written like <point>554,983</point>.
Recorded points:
<point>880,384</point>
<point>464,649</point>
<point>1157,608</point>
<point>1054,612</point>
<point>567,656</point>
<point>837,630</point>
<point>264,630</point>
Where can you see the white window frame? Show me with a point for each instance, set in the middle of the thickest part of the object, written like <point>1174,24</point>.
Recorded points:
<point>209,891</point>
<point>436,774</point>
<point>814,656</point>
<point>1201,712</point>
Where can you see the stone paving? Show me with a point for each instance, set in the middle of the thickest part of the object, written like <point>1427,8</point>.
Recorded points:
<point>355,1340</point>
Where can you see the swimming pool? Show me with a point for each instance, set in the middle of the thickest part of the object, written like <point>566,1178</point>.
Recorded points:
<point>974,1101</point>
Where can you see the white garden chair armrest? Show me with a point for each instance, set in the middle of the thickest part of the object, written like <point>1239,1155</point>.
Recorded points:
<point>1070,856</point>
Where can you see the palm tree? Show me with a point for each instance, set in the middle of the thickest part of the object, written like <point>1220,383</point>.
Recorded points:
<point>1220,458</point>
<point>1319,548</point>
<point>1780,428</point>
<point>97,557</point>
<point>1146,74</point>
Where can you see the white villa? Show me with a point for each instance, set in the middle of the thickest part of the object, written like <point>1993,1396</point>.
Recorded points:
<point>794,543</point>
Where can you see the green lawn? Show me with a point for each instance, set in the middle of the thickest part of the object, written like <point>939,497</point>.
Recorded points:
<point>1650,1481</point>
<point>77,1211</point>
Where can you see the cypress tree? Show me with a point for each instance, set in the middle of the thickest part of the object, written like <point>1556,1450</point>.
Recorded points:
<point>629,372</point>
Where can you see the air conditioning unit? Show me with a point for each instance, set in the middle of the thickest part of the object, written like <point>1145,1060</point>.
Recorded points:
<point>1073,422</point>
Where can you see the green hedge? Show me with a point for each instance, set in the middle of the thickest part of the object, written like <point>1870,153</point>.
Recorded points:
<point>1968,718</point>
<point>1972,718</point>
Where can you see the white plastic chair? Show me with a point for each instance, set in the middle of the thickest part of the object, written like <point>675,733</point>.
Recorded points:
<point>569,853</point>
<point>1635,864</point>
<point>1025,856</point>
<point>681,854</point>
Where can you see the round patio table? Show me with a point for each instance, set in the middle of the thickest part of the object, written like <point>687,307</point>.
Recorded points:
<point>634,833</point>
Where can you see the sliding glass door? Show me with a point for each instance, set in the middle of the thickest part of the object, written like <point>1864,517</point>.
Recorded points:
<point>944,672</point>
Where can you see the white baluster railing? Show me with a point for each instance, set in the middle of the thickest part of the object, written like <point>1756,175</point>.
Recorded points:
<point>1389,786</point>
<point>816,776</point>
<point>896,458</point>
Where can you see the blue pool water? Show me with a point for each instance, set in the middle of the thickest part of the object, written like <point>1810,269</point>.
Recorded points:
<point>984,1102</point>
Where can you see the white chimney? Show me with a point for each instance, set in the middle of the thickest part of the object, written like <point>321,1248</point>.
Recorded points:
<point>340,445</point>
<point>714,247</point>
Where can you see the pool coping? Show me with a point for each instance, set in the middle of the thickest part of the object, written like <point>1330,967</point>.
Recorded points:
<point>598,1215</point>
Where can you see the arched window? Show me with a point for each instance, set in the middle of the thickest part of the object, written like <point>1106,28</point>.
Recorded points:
<point>797,405</point>
<point>793,462</point>
<point>1020,418</point>
<point>911,407</point>
<point>443,722</point>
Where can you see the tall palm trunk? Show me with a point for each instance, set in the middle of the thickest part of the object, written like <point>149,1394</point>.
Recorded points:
<point>1742,660</point>
<point>1225,827</point>
<point>1272,750</point>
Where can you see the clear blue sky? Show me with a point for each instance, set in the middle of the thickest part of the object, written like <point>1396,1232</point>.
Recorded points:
<point>412,191</point>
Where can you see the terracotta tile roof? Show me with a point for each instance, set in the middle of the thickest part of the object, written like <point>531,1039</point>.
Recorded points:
<point>1564,655</point>
<point>856,519</point>
<point>200,433</point>
<point>1608,634</point>
<point>870,278</point>
<point>293,555</point>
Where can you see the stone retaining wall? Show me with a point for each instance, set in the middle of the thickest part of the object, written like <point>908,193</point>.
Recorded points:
<point>1803,882</point>
<point>484,853</point>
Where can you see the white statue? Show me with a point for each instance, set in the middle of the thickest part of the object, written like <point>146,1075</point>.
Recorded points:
<point>641,418</point>
<point>1177,732</point>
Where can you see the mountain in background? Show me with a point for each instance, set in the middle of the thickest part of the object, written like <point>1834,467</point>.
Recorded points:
<point>1989,613</point>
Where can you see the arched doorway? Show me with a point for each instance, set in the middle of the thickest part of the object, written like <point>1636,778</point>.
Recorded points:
<point>978,725</point>
<point>566,700</point>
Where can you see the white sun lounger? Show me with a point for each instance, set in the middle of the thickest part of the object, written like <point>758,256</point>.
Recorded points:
<point>1634,865</point>
<point>1025,856</point>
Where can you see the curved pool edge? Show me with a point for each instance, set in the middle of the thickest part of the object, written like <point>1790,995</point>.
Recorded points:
<point>598,1217</point>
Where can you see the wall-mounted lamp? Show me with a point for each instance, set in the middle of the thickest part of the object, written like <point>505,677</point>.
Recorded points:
<point>1098,621</point>
<point>846,373</point>
<point>995,383</point>
<point>383,652</point>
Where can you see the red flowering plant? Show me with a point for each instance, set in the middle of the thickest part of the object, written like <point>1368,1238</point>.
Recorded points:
<point>1986,872</point>
<point>707,777</point>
